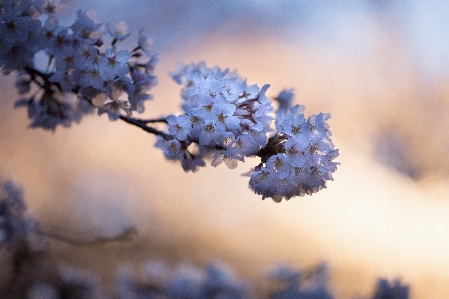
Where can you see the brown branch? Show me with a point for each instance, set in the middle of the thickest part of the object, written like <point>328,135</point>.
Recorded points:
<point>126,235</point>
<point>156,120</point>
<point>143,125</point>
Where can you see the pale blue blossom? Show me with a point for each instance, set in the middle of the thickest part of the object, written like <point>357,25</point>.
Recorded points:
<point>298,158</point>
<point>54,7</point>
<point>85,54</point>
<point>285,99</point>
<point>179,126</point>
<point>113,64</point>
<point>89,76</point>
<point>120,32</point>
<point>113,108</point>
<point>14,28</point>
<point>145,43</point>
<point>86,27</point>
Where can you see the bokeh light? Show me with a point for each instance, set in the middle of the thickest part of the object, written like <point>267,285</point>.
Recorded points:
<point>380,68</point>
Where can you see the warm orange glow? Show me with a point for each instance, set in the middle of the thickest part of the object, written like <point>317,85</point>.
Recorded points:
<point>371,221</point>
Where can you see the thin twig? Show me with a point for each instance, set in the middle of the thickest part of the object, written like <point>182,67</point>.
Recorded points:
<point>156,120</point>
<point>126,235</point>
<point>142,124</point>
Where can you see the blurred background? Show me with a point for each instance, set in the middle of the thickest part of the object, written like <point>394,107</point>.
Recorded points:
<point>380,68</point>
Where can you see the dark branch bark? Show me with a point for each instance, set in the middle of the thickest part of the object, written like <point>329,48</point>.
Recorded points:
<point>143,125</point>
<point>156,120</point>
<point>126,235</point>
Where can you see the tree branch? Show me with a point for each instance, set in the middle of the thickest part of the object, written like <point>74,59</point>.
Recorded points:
<point>143,125</point>
<point>126,235</point>
<point>156,120</point>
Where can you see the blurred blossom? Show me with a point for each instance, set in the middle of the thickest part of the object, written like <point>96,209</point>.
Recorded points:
<point>16,224</point>
<point>392,65</point>
<point>394,290</point>
<point>70,283</point>
<point>285,99</point>
<point>393,150</point>
<point>185,281</point>
<point>292,283</point>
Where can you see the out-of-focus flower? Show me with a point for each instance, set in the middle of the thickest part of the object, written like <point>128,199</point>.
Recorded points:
<point>120,32</point>
<point>285,99</point>
<point>15,223</point>
<point>53,7</point>
<point>86,27</point>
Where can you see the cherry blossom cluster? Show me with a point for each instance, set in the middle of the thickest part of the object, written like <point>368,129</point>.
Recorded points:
<point>298,159</point>
<point>112,80</point>
<point>225,119</point>
<point>222,113</point>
